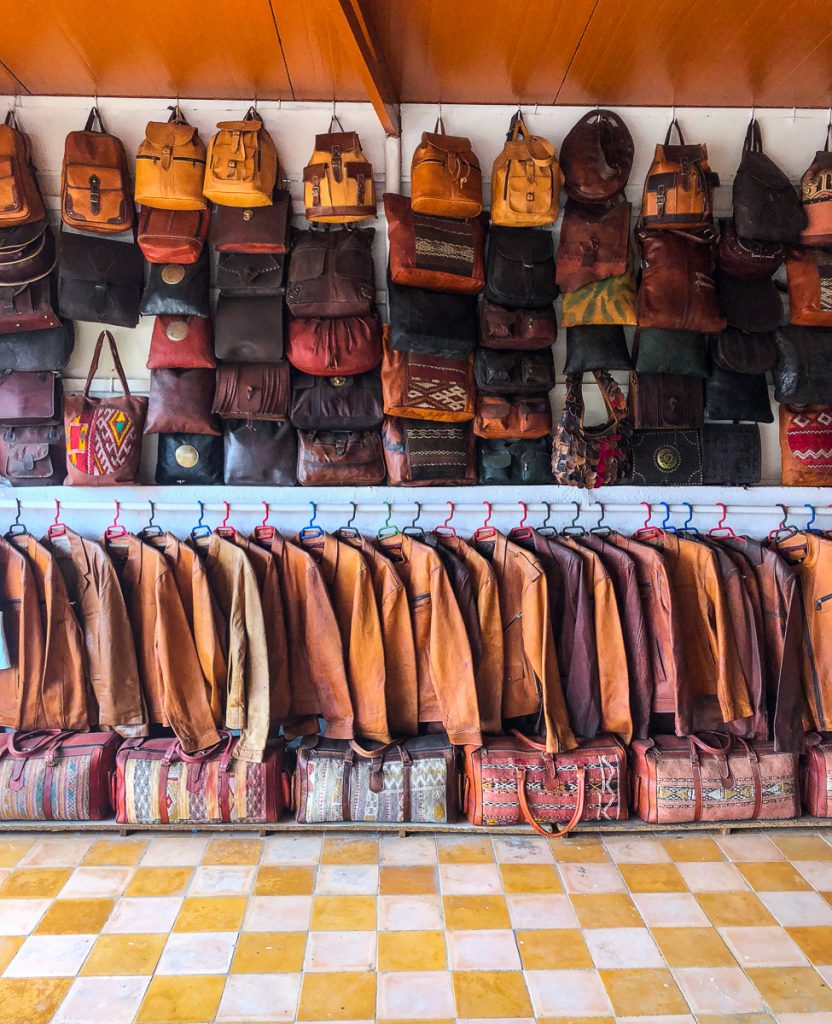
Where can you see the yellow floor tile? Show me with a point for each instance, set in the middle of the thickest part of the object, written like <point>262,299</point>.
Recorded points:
<point>11,850</point>
<point>491,994</point>
<point>285,881</point>
<point>642,992</point>
<point>115,853</point>
<point>350,851</point>
<point>574,1020</point>
<point>693,947</point>
<point>343,913</point>
<point>653,878</point>
<point>556,949</point>
<point>159,882</point>
<point>211,914</point>
<point>803,847</point>
<point>465,850</point>
<point>606,910</point>
<point>692,848</point>
<point>124,954</point>
<point>530,878</point>
<point>579,851</point>
<point>34,883</point>
<point>735,1018</point>
<point>181,1000</point>
<point>409,881</point>
<point>796,990</point>
<point>233,851</point>
<point>412,951</point>
<point>75,917</point>
<point>734,909</point>
<point>463,912</point>
<point>775,877</point>
<point>31,1000</point>
<point>9,945</point>
<point>348,996</point>
<point>816,943</point>
<point>269,952</point>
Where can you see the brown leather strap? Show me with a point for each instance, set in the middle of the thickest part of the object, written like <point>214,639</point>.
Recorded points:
<point>346,809</point>
<point>716,750</point>
<point>95,115</point>
<point>222,746</point>
<point>47,785</point>
<point>754,765</point>
<point>96,356</point>
<point>753,138</point>
<point>378,752</point>
<point>527,741</point>
<point>529,817</point>
<point>696,772</point>
<point>46,739</point>
<point>674,124</point>
<point>224,772</point>
<point>164,771</point>
<point>407,764</point>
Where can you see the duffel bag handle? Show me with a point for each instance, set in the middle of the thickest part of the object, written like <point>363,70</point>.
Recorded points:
<point>754,765</point>
<point>697,741</point>
<point>47,739</point>
<point>530,818</point>
<point>527,741</point>
<point>207,753</point>
<point>378,752</point>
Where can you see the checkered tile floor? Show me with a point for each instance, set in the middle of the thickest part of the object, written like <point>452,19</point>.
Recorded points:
<point>203,928</point>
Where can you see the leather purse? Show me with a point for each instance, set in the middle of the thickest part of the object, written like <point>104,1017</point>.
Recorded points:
<point>338,182</point>
<point>419,453</point>
<point>249,329</point>
<point>523,461</point>
<point>95,180</point>
<point>239,273</point>
<point>331,273</point>
<point>815,195</point>
<point>334,346</point>
<point>806,446</point>
<point>594,243</point>
<point>525,180</point>
<point>766,206</point>
<point>591,456</point>
<point>596,157</point>
<point>747,304</point>
<point>172,236</point>
<point>435,323</point>
<point>260,454</point>
<point>252,391</point>
<point>340,458</point>
<point>520,268</point>
<point>739,352</point>
<point>679,187</point>
<point>181,342</point>
<point>103,435</point>
<point>33,456</point>
<point>242,166</point>
<point>436,253</point>
<point>737,396</point>
<point>658,350</point>
<point>677,289</point>
<point>803,372</point>
<point>38,350</point>
<point>177,289</point>
<point>18,239</point>
<point>99,280</point>
<point>445,176</point>
<point>662,401</point>
<point>421,387</point>
<point>189,458</point>
<point>527,329</point>
<point>514,373</point>
<point>666,458</point>
<point>25,308</point>
<point>336,403</point>
<point>809,274</point>
<point>596,347</point>
<point>610,301</point>
<point>180,402</point>
<point>731,454</point>
<point>254,228</point>
<point>28,396</point>
<point>745,258</point>
<point>501,418</point>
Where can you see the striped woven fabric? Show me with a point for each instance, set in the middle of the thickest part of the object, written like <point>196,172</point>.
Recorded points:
<point>69,789</point>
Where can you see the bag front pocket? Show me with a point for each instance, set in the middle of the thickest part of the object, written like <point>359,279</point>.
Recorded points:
<point>94,194</point>
<point>10,198</point>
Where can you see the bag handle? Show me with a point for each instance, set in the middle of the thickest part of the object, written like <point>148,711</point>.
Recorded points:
<point>93,117</point>
<point>609,389</point>
<point>335,119</point>
<point>754,765</point>
<point>378,752</point>
<point>47,739</point>
<point>527,741</point>
<point>176,115</point>
<point>517,128</point>
<point>96,356</point>
<point>439,127</point>
<point>697,741</point>
<point>223,746</point>
<point>530,818</point>
<point>753,138</point>
<point>11,119</point>
<point>674,124</point>
<point>252,115</point>
<point>825,145</point>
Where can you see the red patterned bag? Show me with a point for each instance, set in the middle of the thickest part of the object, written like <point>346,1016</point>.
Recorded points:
<point>806,445</point>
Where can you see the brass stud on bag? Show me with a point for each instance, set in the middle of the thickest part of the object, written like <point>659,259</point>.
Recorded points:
<point>186,456</point>
<point>177,330</point>
<point>173,273</point>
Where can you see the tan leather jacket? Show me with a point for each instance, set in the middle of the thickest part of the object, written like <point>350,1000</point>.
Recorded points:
<point>23,629</point>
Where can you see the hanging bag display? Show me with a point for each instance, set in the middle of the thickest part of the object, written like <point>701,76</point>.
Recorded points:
<point>426,387</point>
<point>331,273</point>
<point>445,176</point>
<point>189,459</point>
<point>596,157</point>
<point>260,454</point>
<point>436,323</point>
<point>664,401</point>
<point>420,453</point>
<point>766,206</point>
<point>96,194</point>
<point>20,198</point>
<point>678,190</point>
<point>591,456</point>
<point>242,163</point>
<point>99,280</point>
<point>253,228</point>
<point>338,180</point>
<point>816,195</point>
<point>522,462</point>
<point>666,458</point>
<point>520,269</point>
<point>525,180</point>
<point>526,329</point>
<point>340,458</point>
<point>170,165</point>
<point>336,403</point>
<point>677,289</point>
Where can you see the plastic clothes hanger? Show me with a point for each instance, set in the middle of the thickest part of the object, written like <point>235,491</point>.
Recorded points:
<point>446,530</point>
<point>648,532</point>
<point>721,530</point>
<point>545,530</point>
<point>115,529</point>
<point>389,529</point>
<point>485,532</point>
<point>312,531</point>
<point>599,529</point>
<point>151,530</point>
<point>224,530</point>
<point>264,533</point>
<point>521,531</point>
<point>201,529</point>
<point>413,530</point>
<point>349,532</point>
<point>574,530</point>
<point>17,529</point>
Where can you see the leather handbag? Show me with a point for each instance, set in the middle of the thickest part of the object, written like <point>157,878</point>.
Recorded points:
<point>419,453</point>
<point>421,387</point>
<point>596,347</point>
<point>679,187</point>
<point>157,783</point>
<point>170,165</point>
<point>803,372</point>
<point>512,780</point>
<point>666,458</point>
<point>56,776</point>
<point>740,352</point>
<point>189,458</point>
<point>38,350</point>
<point>181,342</point>
<point>260,454</point>
<point>445,176</point>
<point>816,196</point>
<point>437,253</point>
<point>334,346</point>
<point>172,236</point>
<point>514,373</point>
<point>766,206</point>
<point>596,157</point>
<point>731,454</point>
<point>99,280</point>
<point>677,289</point>
<point>662,401</point>
<point>241,168</point>
<point>610,301</point>
<point>523,461</point>
<point>411,780</point>
<point>103,435</point>
<point>817,770</point>
<point>29,307</point>
<point>18,239</point>
<point>737,396</point>
<point>520,269</point>
<point>591,456</point>
<point>501,418</point>
<point>806,446</point>
<point>259,273</point>
<point>749,305</point>
<point>340,458</point>
<point>527,329</point>
<point>96,194</point>
<point>180,402</point>
<point>745,258</point>
<point>809,274</point>
<point>338,180</point>
<point>431,322</point>
<point>254,228</point>
<point>678,779</point>
<point>249,329</point>
<point>33,456</point>
<point>658,350</point>
<point>525,180</point>
<point>252,391</point>
<point>336,403</point>
<point>28,396</point>
<point>177,289</point>
<point>20,198</point>
<point>594,243</point>
<point>331,273</point>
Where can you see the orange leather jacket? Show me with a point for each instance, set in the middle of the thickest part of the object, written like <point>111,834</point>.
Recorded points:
<point>20,684</point>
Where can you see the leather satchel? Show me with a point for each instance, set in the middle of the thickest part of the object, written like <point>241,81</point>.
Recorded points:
<point>20,198</point>
<point>38,350</point>
<point>419,453</point>
<point>340,458</point>
<point>766,206</point>
<point>739,352</point>
<point>177,289</point>
<point>501,418</point>
<point>731,454</point>
<point>737,396</point>
<point>334,346</point>
<point>96,194</point>
<point>527,329</point>
<point>28,397</point>
<point>803,373</point>
<point>520,270</point>
<point>809,273</point>
<point>260,454</point>
<point>170,165</point>
<point>99,280</point>
<point>745,258</point>
<point>514,373</point>
<point>180,402</point>
<point>445,176</point>
<point>252,391</point>
<point>249,329</point>
<point>591,456</point>
<point>610,301</point>
<point>422,387</point>
<point>594,243</point>
<point>336,403</point>
<point>437,253</point>
<point>435,323</point>
<point>172,236</point>
<point>181,342</point>
<point>189,458</point>
<point>679,187</point>
<point>521,462</point>
<point>241,273</point>
<point>657,350</point>
<point>677,289</point>
<point>667,458</point>
<point>816,197</point>
<point>596,347</point>
<point>596,157</point>
<point>33,456</point>
<point>242,166</point>
<point>806,446</point>
<point>662,401</point>
<point>31,307</point>
<point>331,273</point>
<point>525,180</point>
<point>338,180</point>
<point>253,228</point>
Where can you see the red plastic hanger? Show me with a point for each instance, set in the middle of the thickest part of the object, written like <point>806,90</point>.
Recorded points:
<point>224,530</point>
<point>115,529</point>
<point>446,530</point>
<point>264,532</point>
<point>721,530</point>
<point>56,527</point>
<point>485,532</point>
<point>648,532</point>
<point>521,531</point>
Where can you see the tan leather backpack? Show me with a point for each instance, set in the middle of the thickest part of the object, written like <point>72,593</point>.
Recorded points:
<point>525,180</point>
<point>445,176</point>
<point>242,163</point>
<point>20,199</point>
<point>95,180</point>
<point>170,165</point>
<point>678,190</point>
<point>338,180</point>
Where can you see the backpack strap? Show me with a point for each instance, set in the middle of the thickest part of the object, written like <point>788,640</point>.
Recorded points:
<point>439,127</point>
<point>11,119</point>
<point>93,118</point>
<point>753,137</point>
<point>96,356</point>
<point>176,115</point>
<point>674,124</point>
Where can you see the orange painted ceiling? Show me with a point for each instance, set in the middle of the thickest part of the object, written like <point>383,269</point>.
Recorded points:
<point>688,52</point>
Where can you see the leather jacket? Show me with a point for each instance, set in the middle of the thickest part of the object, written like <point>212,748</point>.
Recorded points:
<point>23,629</point>
<point>465,592</point>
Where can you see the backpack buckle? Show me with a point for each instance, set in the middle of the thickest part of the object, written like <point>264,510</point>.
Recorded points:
<point>95,194</point>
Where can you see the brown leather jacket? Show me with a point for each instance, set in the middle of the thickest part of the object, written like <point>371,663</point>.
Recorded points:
<point>23,629</point>
<point>465,591</point>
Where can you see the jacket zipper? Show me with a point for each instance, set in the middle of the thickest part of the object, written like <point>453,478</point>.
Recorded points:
<point>821,601</point>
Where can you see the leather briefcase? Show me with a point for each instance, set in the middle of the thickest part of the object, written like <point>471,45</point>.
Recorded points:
<point>737,396</point>
<point>436,323</point>
<point>511,780</point>
<point>30,396</point>
<point>522,461</point>
<point>331,273</point>
<point>596,347</point>
<point>336,403</point>
<point>677,779</point>
<point>731,454</point>
<point>260,454</point>
<point>180,402</point>
<point>677,288</point>
<point>423,387</point>
<point>334,346</point>
<point>181,342</point>
<point>157,783</point>
<point>594,243</point>
<point>767,207</point>
<point>29,307</point>
<point>99,280</point>
<point>172,236</point>
<point>667,458</point>
<point>420,453</point>
<point>38,350</point>
<point>526,329</point>
<point>252,391</point>
<point>249,329</point>
<point>498,417</point>
<point>255,228</point>
<point>514,373</point>
<point>803,373</point>
<point>407,780</point>
<point>682,353</point>
<point>33,456</point>
<point>445,176</point>
<point>817,776</point>
<point>661,401</point>
<point>806,446</point>
<point>520,269</point>
<point>193,459</point>
<point>340,458</point>
<point>258,273</point>
<point>177,289</point>
<point>596,157</point>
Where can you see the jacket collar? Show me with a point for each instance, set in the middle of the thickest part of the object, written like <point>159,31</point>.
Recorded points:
<point>325,558</point>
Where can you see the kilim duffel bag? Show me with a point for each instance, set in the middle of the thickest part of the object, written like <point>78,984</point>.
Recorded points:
<point>684,778</point>
<point>512,779</point>
<point>816,776</point>
<point>408,780</point>
<point>56,776</point>
<point>157,783</point>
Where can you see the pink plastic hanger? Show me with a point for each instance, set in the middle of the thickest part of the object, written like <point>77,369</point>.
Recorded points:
<point>485,532</point>
<point>648,532</point>
<point>446,530</point>
<point>224,530</point>
<point>264,532</point>
<point>521,531</point>
<point>56,527</point>
<point>721,530</point>
<point>115,529</point>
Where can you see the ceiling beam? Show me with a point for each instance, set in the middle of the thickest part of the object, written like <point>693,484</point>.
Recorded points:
<point>369,61</point>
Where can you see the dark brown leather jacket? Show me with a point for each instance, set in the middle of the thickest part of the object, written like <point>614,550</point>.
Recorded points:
<point>23,629</point>
<point>465,592</point>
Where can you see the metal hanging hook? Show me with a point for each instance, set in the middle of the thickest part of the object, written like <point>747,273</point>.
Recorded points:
<point>666,519</point>
<point>417,517</point>
<point>545,522</point>
<point>354,515</point>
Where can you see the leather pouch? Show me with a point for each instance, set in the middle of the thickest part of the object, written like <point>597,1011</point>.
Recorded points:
<point>260,454</point>
<point>809,273</point>
<point>249,329</point>
<point>255,228</point>
<point>766,205</point>
<point>29,307</point>
<point>186,458</point>
<point>331,273</point>
<point>803,373</point>
<point>241,273</point>
<point>340,458</point>
<point>745,258</point>
<point>172,236</point>
<point>594,242</point>
<point>677,288</point>
<point>30,397</point>
<point>177,289</point>
<point>739,352</point>
<point>334,346</point>
<point>667,458</point>
<point>180,402</point>
<point>336,403</point>
<point>661,401</point>
<point>423,387</point>
<point>731,454</point>
<point>520,268</point>
<point>181,342</point>
<point>806,446</point>
<point>515,462</point>
<point>610,301</point>
<point>436,323</point>
<point>99,280</point>
<point>38,350</point>
<point>737,396</point>
<point>596,347</point>
<point>596,157</point>
<point>33,456</point>
<point>419,453</point>
<point>658,350</point>
<point>501,418</point>
<point>514,373</point>
<point>252,391</point>
<point>527,329</point>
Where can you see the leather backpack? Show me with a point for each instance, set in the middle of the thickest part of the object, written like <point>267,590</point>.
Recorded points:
<point>766,206</point>
<point>338,180</point>
<point>445,176</point>
<point>525,180</point>
<point>520,267</point>
<point>596,157</point>
<point>331,273</point>
<point>170,165</point>
<point>678,190</point>
<point>95,180</point>
<point>809,274</point>
<point>242,163</point>
<point>816,194</point>
<point>20,198</point>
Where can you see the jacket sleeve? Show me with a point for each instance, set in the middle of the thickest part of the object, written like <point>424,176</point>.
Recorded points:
<point>31,652</point>
<point>325,653</point>
<point>255,696</point>
<point>208,638</point>
<point>120,701</point>
<point>366,661</point>
<point>280,698</point>
<point>401,682</point>
<point>489,673</point>
<point>539,646</point>
<point>613,673</point>
<point>732,691</point>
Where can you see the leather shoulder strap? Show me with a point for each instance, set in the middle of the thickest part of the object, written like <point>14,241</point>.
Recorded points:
<point>93,118</point>
<point>674,124</point>
<point>96,357</point>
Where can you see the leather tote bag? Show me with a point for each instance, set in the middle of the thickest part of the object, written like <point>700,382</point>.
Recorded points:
<point>677,289</point>
<point>434,323</point>
<point>38,350</point>
<point>520,269</point>
<point>610,301</point>
<point>803,373</point>
<point>99,280</point>
<point>336,403</point>
<point>331,273</point>
<point>663,401</point>
<point>519,462</point>
<point>33,456</point>
<point>596,347</point>
<point>731,454</point>
<point>527,329</point>
<point>514,373</point>
<point>260,273</point>
<point>666,458</point>
<point>423,387</point>
<point>29,307</point>
<point>445,176</point>
<point>737,396</point>
<point>596,157</point>
<point>181,342</point>
<point>500,418</point>
<point>30,397</point>
<point>103,435</point>
<point>177,289</point>
<point>766,206</point>
<point>260,454</point>
<point>185,458</point>
<point>591,456</point>
<point>420,453</point>
<point>594,243</point>
<point>816,196</point>
<point>740,352</point>
<point>806,445</point>
<point>96,193</point>
<point>657,350</point>
<point>525,180</point>
<point>334,346</point>
<point>340,459</point>
<point>249,329</point>
<point>679,187</point>
<point>745,258</point>
<point>809,273</point>
<point>180,402</point>
<point>253,228</point>
<point>252,391</point>
<point>172,236</point>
